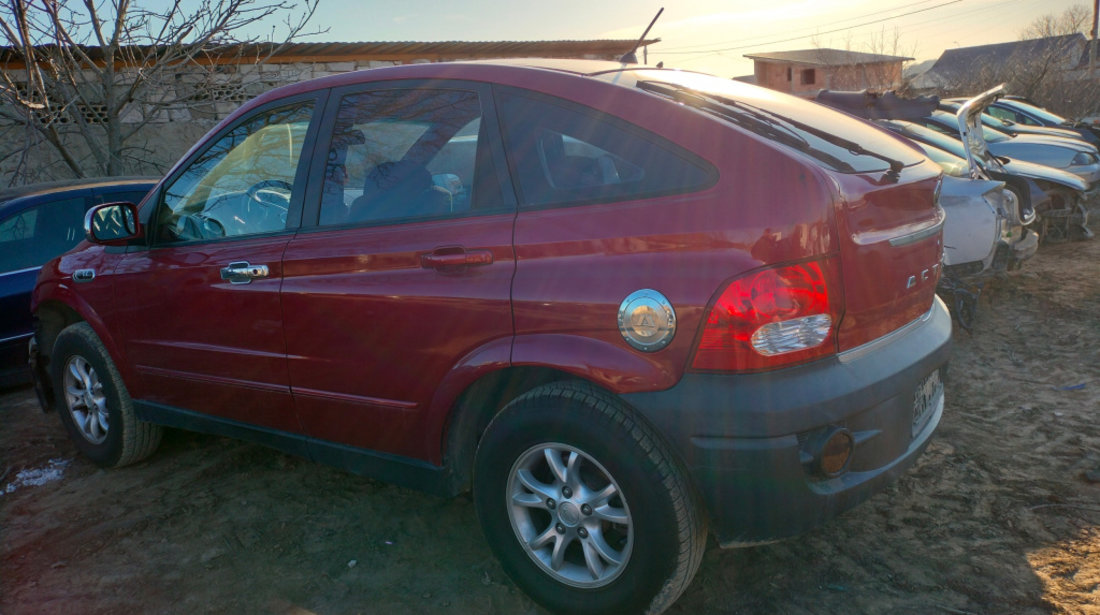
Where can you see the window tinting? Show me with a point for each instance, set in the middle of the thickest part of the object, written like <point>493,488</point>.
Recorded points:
<point>567,154</point>
<point>240,185</point>
<point>35,235</point>
<point>399,155</point>
<point>836,140</point>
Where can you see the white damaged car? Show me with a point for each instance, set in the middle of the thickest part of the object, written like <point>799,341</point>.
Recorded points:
<point>1065,218</point>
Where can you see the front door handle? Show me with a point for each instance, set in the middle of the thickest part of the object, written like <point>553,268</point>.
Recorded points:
<point>243,273</point>
<point>439,260</point>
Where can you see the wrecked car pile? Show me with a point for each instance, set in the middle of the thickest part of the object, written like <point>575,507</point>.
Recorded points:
<point>998,208</point>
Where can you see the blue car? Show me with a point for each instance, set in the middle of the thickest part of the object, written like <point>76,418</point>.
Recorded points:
<point>37,223</point>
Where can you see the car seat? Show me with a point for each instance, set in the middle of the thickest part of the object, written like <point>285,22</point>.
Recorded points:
<point>401,189</point>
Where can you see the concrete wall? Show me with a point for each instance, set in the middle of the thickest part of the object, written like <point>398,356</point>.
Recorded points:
<point>170,133</point>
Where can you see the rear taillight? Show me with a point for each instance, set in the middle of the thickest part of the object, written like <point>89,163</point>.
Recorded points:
<point>772,318</point>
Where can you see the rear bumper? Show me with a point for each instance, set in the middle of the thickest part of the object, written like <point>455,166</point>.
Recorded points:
<point>744,438</point>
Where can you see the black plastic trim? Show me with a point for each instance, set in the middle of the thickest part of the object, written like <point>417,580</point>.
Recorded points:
<point>740,435</point>
<point>401,471</point>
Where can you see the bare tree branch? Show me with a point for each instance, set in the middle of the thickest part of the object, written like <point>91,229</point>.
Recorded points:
<point>90,65</point>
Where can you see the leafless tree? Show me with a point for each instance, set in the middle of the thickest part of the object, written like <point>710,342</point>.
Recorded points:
<point>1048,78</point>
<point>1043,66</point>
<point>84,77</point>
<point>1076,18</point>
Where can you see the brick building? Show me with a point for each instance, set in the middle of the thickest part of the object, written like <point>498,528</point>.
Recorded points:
<point>806,71</point>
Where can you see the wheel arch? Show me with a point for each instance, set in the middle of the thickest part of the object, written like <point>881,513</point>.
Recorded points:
<point>486,381</point>
<point>51,316</point>
<point>475,407</point>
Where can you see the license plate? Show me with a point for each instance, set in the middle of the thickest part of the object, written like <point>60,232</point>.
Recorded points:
<point>926,400</point>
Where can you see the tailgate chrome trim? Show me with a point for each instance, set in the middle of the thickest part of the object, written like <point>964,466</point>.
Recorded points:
<point>924,233</point>
<point>859,351</point>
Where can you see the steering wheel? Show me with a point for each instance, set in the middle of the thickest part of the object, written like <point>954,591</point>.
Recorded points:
<point>264,193</point>
<point>190,227</point>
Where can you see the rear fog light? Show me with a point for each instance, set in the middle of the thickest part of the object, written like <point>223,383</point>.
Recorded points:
<point>831,451</point>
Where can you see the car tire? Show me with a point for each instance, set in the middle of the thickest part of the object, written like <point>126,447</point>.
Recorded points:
<point>93,403</point>
<point>584,505</point>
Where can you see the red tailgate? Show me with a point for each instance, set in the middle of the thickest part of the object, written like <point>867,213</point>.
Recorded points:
<point>891,248</point>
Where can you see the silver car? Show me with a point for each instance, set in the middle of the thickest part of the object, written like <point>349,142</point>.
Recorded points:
<point>1065,153</point>
<point>1014,128</point>
<point>985,232</point>
<point>1072,215</point>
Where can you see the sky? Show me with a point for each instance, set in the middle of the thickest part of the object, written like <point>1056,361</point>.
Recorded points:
<point>704,35</point>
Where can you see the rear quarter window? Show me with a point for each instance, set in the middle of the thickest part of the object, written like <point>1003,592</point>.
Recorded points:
<point>568,154</point>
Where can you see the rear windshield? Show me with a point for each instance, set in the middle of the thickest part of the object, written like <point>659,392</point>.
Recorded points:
<point>950,163</point>
<point>927,135</point>
<point>838,141</point>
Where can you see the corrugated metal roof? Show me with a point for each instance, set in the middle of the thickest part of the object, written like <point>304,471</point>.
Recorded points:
<point>825,57</point>
<point>462,49</point>
<point>443,50</point>
<point>959,66</point>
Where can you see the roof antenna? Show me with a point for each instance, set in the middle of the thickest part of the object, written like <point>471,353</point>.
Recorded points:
<point>632,58</point>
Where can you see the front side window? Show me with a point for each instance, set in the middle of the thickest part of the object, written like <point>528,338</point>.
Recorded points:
<point>405,155</point>
<point>565,154</point>
<point>241,185</point>
<point>37,234</point>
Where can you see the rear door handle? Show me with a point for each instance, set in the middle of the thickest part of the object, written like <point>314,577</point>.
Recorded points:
<point>440,260</point>
<point>243,273</point>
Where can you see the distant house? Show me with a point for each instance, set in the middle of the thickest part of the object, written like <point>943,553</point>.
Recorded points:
<point>1081,70</point>
<point>805,72</point>
<point>971,68</point>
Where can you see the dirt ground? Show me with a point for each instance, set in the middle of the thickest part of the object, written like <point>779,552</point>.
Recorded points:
<point>998,517</point>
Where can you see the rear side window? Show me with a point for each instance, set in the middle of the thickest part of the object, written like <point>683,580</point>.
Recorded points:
<point>404,155</point>
<point>565,154</point>
<point>37,234</point>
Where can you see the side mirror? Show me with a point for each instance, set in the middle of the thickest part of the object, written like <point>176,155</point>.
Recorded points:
<point>112,224</point>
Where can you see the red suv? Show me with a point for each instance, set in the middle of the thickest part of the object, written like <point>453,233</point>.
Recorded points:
<point>621,304</point>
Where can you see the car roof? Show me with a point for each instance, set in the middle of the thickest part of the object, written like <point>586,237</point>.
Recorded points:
<point>73,184</point>
<point>477,70</point>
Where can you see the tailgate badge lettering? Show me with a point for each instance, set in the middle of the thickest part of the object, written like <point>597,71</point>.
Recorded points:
<point>925,275</point>
<point>646,320</point>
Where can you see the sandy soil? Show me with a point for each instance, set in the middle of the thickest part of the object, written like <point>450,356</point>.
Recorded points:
<point>998,517</point>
